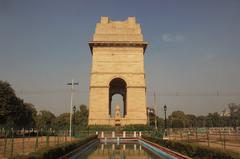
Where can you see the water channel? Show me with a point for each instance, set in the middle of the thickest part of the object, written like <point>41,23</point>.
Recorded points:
<point>118,151</point>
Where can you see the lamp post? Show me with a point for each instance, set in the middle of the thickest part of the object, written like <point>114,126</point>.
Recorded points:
<point>74,110</point>
<point>148,112</point>
<point>155,111</point>
<point>72,84</point>
<point>165,119</point>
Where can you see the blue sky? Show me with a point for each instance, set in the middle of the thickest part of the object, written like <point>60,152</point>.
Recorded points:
<point>193,50</point>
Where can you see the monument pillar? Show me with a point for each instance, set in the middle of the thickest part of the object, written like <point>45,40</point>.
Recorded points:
<point>117,51</point>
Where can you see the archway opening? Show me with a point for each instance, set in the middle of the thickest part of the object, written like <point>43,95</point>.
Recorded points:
<point>117,99</point>
<point>118,95</point>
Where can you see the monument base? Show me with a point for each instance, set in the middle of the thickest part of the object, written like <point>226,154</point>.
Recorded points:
<point>123,122</point>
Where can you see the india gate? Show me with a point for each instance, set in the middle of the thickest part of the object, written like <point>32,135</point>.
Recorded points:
<point>117,49</point>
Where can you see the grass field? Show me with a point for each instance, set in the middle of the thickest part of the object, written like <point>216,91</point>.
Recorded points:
<point>10,147</point>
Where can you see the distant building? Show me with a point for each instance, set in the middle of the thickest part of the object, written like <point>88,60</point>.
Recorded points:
<point>224,113</point>
<point>150,110</point>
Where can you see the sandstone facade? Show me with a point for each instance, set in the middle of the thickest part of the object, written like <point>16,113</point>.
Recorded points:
<point>117,51</point>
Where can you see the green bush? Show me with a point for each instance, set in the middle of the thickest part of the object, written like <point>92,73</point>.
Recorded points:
<point>101,128</point>
<point>193,150</point>
<point>56,151</point>
<point>133,127</point>
<point>136,127</point>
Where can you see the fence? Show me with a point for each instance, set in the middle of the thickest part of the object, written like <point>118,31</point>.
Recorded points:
<point>13,142</point>
<point>120,134</point>
<point>224,138</point>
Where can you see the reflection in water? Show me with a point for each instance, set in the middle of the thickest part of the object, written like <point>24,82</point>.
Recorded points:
<point>119,151</point>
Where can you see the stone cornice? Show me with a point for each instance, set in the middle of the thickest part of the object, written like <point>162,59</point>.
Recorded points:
<point>131,73</point>
<point>142,44</point>
<point>108,87</point>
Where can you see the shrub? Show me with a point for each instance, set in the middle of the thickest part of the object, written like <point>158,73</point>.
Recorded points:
<point>136,127</point>
<point>193,150</point>
<point>132,127</point>
<point>101,128</point>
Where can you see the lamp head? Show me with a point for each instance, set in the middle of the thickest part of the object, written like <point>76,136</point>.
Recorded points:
<point>74,108</point>
<point>165,107</point>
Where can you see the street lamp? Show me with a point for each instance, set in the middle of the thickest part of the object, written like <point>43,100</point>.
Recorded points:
<point>72,84</point>
<point>74,110</point>
<point>155,111</point>
<point>165,114</point>
<point>148,112</point>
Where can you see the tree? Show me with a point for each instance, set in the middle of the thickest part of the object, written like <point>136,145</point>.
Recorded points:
<point>81,117</point>
<point>191,120</point>
<point>160,122</point>
<point>151,116</point>
<point>7,98</point>
<point>178,119</point>
<point>234,114</point>
<point>213,120</point>
<point>29,115</point>
<point>62,121</point>
<point>45,119</point>
<point>201,121</point>
<point>13,111</point>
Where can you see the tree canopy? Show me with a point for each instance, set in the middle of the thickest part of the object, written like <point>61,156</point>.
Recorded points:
<point>179,119</point>
<point>13,111</point>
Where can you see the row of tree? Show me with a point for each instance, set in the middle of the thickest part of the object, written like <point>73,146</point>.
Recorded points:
<point>46,119</point>
<point>178,119</point>
<point>15,113</point>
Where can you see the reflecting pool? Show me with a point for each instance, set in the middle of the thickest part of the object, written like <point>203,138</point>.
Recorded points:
<point>118,151</point>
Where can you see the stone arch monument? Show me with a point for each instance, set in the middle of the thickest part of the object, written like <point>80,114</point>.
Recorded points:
<point>117,51</point>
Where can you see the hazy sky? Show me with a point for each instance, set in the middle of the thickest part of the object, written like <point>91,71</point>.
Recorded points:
<point>192,60</point>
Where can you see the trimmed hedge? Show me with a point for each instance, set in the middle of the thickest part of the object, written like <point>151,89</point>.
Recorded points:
<point>131,127</point>
<point>56,151</point>
<point>136,127</point>
<point>193,150</point>
<point>101,128</point>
